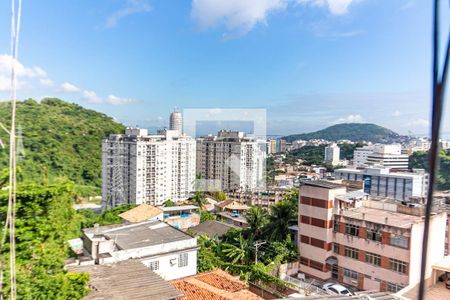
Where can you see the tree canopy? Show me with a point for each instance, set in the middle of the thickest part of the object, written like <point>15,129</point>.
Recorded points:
<point>58,139</point>
<point>45,221</point>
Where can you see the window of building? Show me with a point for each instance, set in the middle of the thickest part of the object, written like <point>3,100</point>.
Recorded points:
<point>399,241</point>
<point>182,260</point>
<point>352,229</point>
<point>393,287</point>
<point>374,235</point>
<point>316,265</point>
<point>336,248</point>
<point>336,226</point>
<point>350,274</point>
<point>351,252</point>
<point>397,265</point>
<point>373,259</point>
<point>154,265</point>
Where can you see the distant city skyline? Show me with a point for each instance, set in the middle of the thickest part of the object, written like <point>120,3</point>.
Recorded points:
<point>310,63</point>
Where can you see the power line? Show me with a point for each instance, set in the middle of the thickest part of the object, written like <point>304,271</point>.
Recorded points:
<point>256,245</point>
<point>11,212</point>
<point>439,82</point>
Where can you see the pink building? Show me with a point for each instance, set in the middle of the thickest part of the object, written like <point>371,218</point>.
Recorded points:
<point>370,243</point>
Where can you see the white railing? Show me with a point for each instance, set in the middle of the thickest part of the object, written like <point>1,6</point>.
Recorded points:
<point>308,287</point>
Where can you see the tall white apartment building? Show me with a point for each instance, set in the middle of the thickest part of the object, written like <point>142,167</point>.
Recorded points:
<point>232,161</point>
<point>176,121</point>
<point>332,154</point>
<point>361,154</point>
<point>380,155</point>
<point>141,168</point>
<point>382,182</point>
<point>389,156</point>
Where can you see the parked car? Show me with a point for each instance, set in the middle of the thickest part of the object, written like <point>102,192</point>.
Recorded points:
<point>336,289</point>
<point>447,279</point>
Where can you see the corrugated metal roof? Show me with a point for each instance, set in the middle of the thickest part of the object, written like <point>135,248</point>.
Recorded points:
<point>126,280</point>
<point>212,228</point>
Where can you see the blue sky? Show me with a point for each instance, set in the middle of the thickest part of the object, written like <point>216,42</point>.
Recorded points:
<point>310,63</point>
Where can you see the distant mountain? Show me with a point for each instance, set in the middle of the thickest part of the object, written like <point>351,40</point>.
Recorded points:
<point>350,131</point>
<point>60,139</point>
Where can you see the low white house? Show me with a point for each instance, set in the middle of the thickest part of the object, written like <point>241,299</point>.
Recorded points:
<point>167,251</point>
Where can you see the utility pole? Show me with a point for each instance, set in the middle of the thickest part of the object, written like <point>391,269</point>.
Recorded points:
<point>256,245</point>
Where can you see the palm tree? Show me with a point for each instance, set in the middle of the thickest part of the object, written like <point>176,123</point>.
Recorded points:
<point>199,200</point>
<point>199,196</point>
<point>282,215</point>
<point>257,220</point>
<point>239,251</point>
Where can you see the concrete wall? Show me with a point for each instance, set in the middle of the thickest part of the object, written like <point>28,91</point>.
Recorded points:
<point>168,265</point>
<point>436,246</point>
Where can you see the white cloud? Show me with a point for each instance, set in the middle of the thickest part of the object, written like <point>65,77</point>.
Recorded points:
<point>237,15</point>
<point>336,7</point>
<point>131,7</point>
<point>91,97</point>
<point>46,82</point>
<point>69,87</point>
<point>22,72</point>
<point>114,100</point>
<point>419,123</point>
<point>241,16</point>
<point>396,113</point>
<point>350,119</point>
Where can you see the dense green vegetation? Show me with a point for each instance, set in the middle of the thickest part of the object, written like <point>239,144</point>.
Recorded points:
<point>350,131</point>
<point>59,139</point>
<point>235,251</point>
<point>419,160</point>
<point>107,217</point>
<point>45,220</point>
<point>314,155</point>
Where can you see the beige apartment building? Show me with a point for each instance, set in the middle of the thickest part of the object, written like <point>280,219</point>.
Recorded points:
<point>368,242</point>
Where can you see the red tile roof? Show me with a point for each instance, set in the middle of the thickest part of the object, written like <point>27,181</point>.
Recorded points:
<point>214,285</point>
<point>193,292</point>
<point>230,285</point>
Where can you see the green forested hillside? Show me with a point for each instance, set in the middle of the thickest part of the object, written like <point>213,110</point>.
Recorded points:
<point>350,131</point>
<point>419,160</point>
<point>60,139</point>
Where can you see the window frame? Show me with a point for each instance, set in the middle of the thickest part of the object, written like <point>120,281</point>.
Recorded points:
<point>351,252</point>
<point>373,259</point>
<point>352,229</point>
<point>154,265</point>
<point>350,274</point>
<point>183,260</point>
<point>394,241</point>
<point>374,233</point>
<point>398,266</point>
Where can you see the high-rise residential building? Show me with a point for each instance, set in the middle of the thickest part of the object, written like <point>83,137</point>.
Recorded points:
<point>272,147</point>
<point>281,146</point>
<point>231,161</point>
<point>368,242</point>
<point>141,168</point>
<point>176,121</point>
<point>332,154</point>
<point>385,183</point>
